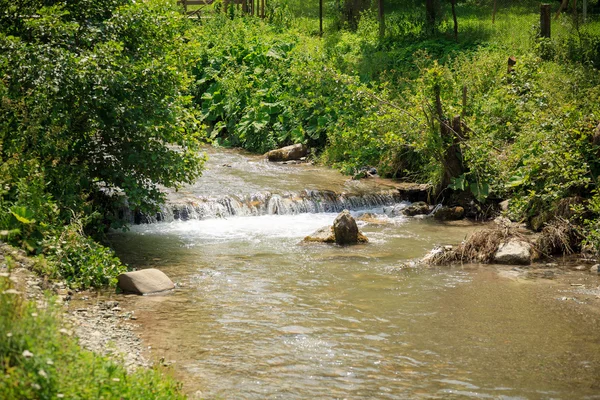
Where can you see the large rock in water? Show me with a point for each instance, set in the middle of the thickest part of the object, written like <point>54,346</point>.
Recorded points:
<point>346,231</point>
<point>514,252</point>
<point>293,152</point>
<point>146,281</point>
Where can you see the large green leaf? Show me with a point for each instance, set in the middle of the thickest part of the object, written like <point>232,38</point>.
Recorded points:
<point>22,214</point>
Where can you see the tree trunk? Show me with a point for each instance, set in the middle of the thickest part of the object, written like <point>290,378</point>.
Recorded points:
<point>430,14</point>
<point>381,18</point>
<point>453,159</point>
<point>321,17</point>
<point>563,5</point>
<point>455,20</point>
<point>352,10</point>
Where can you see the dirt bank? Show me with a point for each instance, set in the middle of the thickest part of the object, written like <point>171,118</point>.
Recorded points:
<point>100,324</point>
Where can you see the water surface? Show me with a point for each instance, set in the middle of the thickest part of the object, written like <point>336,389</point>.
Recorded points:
<point>259,315</point>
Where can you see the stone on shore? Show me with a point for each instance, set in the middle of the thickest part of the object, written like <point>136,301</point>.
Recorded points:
<point>288,153</point>
<point>514,252</point>
<point>146,281</point>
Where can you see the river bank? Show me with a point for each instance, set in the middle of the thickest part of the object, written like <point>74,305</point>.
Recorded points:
<point>52,349</point>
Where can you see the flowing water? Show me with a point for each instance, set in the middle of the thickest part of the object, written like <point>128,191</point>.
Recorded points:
<point>259,315</point>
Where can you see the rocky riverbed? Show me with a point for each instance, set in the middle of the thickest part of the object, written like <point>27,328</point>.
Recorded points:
<point>99,322</point>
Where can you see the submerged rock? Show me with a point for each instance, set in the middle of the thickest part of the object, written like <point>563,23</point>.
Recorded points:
<point>323,235</point>
<point>146,281</point>
<point>288,153</point>
<point>514,252</point>
<point>343,232</point>
<point>418,208</point>
<point>373,219</point>
<point>449,213</point>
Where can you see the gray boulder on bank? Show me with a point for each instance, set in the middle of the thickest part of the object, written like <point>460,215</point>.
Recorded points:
<point>343,232</point>
<point>146,281</point>
<point>514,252</point>
<point>288,153</point>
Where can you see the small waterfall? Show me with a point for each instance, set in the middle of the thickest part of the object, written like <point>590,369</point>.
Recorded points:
<point>266,203</point>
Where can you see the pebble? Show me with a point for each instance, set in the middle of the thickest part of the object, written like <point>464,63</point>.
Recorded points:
<point>580,268</point>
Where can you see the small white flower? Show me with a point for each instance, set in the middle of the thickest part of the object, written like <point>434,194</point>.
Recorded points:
<point>9,334</point>
<point>43,373</point>
<point>60,395</point>
<point>34,314</point>
<point>116,380</point>
<point>27,354</point>
<point>36,386</point>
<point>50,362</point>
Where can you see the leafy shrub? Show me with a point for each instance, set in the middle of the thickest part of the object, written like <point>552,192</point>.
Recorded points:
<point>79,260</point>
<point>95,94</point>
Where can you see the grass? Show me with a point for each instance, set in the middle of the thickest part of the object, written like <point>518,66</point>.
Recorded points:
<point>39,360</point>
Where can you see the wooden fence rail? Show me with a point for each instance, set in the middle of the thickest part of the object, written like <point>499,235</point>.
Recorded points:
<point>247,5</point>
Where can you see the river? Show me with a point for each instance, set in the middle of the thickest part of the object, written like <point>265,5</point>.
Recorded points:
<point>259,315</point>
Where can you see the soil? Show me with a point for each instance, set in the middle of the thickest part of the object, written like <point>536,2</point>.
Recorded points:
<point>100,323</point>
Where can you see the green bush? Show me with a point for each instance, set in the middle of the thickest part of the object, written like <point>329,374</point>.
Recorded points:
<point>78,260</point>
<point>95,93</point>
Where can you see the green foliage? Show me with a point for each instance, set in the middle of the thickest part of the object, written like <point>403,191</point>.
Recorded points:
<point>95,94</point>
<point>40,362</point>
<point>78,260</point>
<point>96,114</point>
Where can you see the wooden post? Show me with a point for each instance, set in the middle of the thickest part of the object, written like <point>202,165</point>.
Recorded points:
<point>245,6</point>
<point>512,61</point>
<point>262,11</point>
<point>545,20</point>
<point>184,6</point>
<point>464,100</point>
<point>494,11</point>
<point>381,19</point>
<point>321,17</point>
